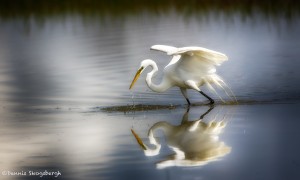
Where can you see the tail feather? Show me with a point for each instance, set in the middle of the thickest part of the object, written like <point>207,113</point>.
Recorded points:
<point>213,90</point>
<point>226,88</point>
<point>219,82</point>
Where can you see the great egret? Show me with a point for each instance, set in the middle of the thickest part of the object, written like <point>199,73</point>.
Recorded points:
<point>190,68</point>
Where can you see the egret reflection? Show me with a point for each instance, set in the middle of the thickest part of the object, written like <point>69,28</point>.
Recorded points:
<point>194,143</point>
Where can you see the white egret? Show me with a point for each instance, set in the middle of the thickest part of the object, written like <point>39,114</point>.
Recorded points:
<point>190,68</point>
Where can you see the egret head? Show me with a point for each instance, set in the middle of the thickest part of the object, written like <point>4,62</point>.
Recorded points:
<point>143,66</point>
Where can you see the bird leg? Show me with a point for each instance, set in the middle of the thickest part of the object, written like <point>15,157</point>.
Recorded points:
<point>188,101</point>
<point>209,98</point>
<point>184,93</point>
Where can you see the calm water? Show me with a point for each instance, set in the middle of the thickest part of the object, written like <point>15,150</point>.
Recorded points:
<point>59,71</point>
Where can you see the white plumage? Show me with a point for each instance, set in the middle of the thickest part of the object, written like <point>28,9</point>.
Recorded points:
<point>190,68</point>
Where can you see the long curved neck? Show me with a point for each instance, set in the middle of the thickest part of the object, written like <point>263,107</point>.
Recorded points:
<point>163,86</point>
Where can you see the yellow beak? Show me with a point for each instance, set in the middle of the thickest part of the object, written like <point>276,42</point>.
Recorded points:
<point>137,75</point>
<point>138,139</point>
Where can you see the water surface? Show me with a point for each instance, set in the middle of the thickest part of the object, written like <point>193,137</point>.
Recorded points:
<point>66,106</point>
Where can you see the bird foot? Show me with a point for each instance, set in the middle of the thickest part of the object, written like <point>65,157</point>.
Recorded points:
<point>211,103</point>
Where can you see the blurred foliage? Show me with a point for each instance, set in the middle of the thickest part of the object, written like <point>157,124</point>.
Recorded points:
<point>116,8</point>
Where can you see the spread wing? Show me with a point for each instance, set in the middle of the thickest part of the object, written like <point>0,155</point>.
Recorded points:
<point>196,63</point>
<point>193,58</point>
<point>215,58</point>
<point>164,48</point>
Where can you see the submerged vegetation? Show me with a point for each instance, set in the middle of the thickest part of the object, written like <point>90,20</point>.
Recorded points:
<point>138,107</point>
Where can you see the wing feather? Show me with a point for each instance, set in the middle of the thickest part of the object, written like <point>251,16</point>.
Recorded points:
<point>193,60</point>
<point>215,57</point>
<point>163,48</point>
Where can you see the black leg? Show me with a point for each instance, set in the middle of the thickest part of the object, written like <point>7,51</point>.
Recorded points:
<point>188,101</point>
<point>210,99</point>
